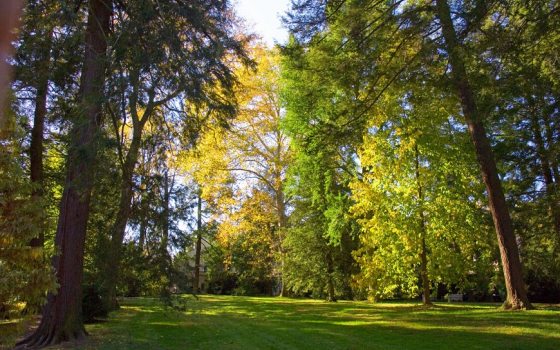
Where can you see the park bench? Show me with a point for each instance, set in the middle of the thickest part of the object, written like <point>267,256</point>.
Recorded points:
<point>455,297</point>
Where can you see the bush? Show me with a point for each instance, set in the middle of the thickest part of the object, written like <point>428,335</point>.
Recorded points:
<point>92,306</point>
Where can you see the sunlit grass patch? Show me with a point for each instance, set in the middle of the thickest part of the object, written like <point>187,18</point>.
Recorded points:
<point>226,322</point>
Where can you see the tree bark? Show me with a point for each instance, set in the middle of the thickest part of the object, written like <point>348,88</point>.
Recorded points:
<point>62,316</point>
<point>198,248</point>
<point>511,263</point>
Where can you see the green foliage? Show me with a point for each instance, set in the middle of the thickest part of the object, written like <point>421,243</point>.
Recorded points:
<point>419,184</point>
<point>330,169</point>
<point>250,240</point>
<point>146,273</point>
<point>305,270</point>
<point>25,272</point>
<point>93,308</point>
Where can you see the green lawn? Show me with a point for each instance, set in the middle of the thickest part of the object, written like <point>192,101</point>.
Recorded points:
<point>225,322</point>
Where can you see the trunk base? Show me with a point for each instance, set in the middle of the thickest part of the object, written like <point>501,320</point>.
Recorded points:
<point>43,337</point>
<point>516,304</point>
<point>428,305</point>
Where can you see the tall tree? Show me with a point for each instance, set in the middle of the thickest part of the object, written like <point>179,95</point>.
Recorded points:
<point>37,36</point>
<point>321,92</point>
<point>418,200</point>
<point>252,152</point>
<point>409,30</point>
<point>62,316</point>
<point>193,66</point>
<point>511,264</point>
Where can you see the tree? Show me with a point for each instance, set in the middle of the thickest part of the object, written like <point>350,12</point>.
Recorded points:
<point>397,26</point>
<point>252,153</point>
<point>417,200</point>
<point>45,66</point>
<point>249,236</point>
<point>321,95</point>
<point>25,273</point>
<point>147,79</point>
<point>525,144</point>
<point>62,318</point>
<point>511,264</point>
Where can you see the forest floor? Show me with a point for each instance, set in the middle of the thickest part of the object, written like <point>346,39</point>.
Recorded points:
<point>228,322</point>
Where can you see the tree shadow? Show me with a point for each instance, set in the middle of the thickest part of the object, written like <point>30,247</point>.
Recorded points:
<point>252,323</point>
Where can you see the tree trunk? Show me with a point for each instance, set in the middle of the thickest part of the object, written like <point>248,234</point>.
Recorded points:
<point>282,225</point>
<point>422,224</point>
<point>36,147</point>
<point>330,271</point>
<point>119,227</point>
<point>62,316</point>
<point>511,263</point>
<point>166,198</point>
<point>552,149</point>
<point>196,282</point>
<point>550,186</point>
<point>143,231</point>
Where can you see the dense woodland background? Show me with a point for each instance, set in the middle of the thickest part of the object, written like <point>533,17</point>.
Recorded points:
<point>391,149</point>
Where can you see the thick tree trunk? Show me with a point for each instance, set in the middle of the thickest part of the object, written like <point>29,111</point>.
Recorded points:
<point>422,225</point>
<point>119,227</point>
<point>36,147</point>
<point>198,248</point>
<point>511,263</point>
<point>62,316</point>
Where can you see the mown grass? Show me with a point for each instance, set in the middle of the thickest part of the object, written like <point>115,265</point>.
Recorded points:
<point>225,322</point>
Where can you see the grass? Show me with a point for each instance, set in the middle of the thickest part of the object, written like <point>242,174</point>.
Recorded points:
<point>226,322</point>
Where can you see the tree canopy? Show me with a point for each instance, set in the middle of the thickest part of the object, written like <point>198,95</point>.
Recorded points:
<point>388,150</point>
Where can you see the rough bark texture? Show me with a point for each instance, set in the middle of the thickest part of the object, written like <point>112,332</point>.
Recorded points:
<point>511,263</point>
<point>198,247</point>
<point>62,316</point>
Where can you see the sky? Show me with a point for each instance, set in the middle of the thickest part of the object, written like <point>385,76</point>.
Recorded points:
<point>263,18</point>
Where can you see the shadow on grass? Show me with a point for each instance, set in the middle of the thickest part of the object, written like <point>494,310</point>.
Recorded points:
<point>274,323</point>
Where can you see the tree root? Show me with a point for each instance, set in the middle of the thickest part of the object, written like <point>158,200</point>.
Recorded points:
<point>43,337</point>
